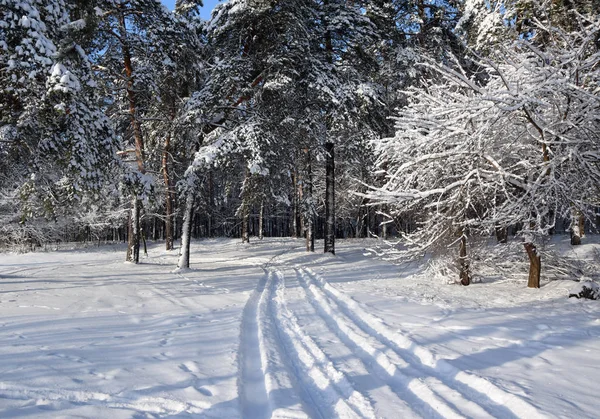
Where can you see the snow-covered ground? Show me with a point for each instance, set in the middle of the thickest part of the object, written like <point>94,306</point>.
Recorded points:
<point>267,330</point>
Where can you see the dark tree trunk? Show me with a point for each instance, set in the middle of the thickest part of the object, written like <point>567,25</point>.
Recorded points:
<point>535,265</point>
<point>295,223</point>
<point>501,234</point>
<point>329,198</point>
<point>133,248</point>
<point>246,208</point>
<point>245,221</point>
<point>465,271</point>
<point>211,202</point>
<point>309,222</point>
<point>145,246</point>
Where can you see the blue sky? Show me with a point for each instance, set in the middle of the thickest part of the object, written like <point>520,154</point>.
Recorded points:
<point>204,12</point>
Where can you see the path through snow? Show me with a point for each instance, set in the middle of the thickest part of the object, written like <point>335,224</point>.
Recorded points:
<point>266,330</point>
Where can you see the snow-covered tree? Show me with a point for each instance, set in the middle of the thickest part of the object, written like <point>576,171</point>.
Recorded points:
<point>57,145</point>
<point>520,149</point>
<point>140,49</point>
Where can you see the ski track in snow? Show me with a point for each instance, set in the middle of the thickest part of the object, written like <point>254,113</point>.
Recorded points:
<point>306,349</point>
<point>270,333</point>
<point>433,387</point>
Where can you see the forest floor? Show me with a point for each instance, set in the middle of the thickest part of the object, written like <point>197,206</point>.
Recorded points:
<point>266,330</point>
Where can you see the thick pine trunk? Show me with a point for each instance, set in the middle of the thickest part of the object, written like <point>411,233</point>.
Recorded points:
<point>535,265</point>
<point>133,250</point>
<point>133,247</point>
<point>329,198</point>
<point>188,216</point>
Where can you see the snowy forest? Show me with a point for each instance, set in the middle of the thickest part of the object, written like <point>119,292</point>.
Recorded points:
<point>275,212</point>
<point>437,122</point>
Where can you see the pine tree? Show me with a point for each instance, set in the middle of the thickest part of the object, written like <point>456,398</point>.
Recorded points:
<point>60,144</point>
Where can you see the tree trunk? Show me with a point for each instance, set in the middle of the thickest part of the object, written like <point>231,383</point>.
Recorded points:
<point>133,247</point>
<point>309,222</point>
<point>246,208</point>
<point>465,272</point>
<point>261,217</point>
<point>329,198</point>
<point>245,222</point>
<point>501,234</point>
<point>211,201</point>
<point>535,265</point>
<point>133,250</point>
<point>295,223</point>
<point>384,223</point>
<point>168,195</point>
<point>188,216</point>
<point>145,247</point>
<point>577,227</point>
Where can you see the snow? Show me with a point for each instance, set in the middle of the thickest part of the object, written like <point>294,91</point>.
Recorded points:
<point>267,330</point>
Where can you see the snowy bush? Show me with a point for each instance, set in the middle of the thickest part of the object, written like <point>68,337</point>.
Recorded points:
<point>586,289</point>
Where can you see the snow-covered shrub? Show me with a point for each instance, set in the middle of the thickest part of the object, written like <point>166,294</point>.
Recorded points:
<point>586,289</point>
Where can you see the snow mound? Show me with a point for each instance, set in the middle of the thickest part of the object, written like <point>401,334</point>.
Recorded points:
<point>586,289</point>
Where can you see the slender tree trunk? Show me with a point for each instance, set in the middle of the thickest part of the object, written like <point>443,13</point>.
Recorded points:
<point>168,194</point>
<point>384,223</point>
<point>133,247</point>
<point>245,221</point>
<point>246,209</point>
<point>295,224</point>
<point>309,223</point>
<point>329,198</point>
<point>261,217</point>
<point>535,265</point>
<point>145,247</point>
<point>465,271</point>
<point>188,216</point>
<point>301,203</point>
<point>211,203</point>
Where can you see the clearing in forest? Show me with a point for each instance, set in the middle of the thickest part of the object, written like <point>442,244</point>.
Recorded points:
<point>267,330</point>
